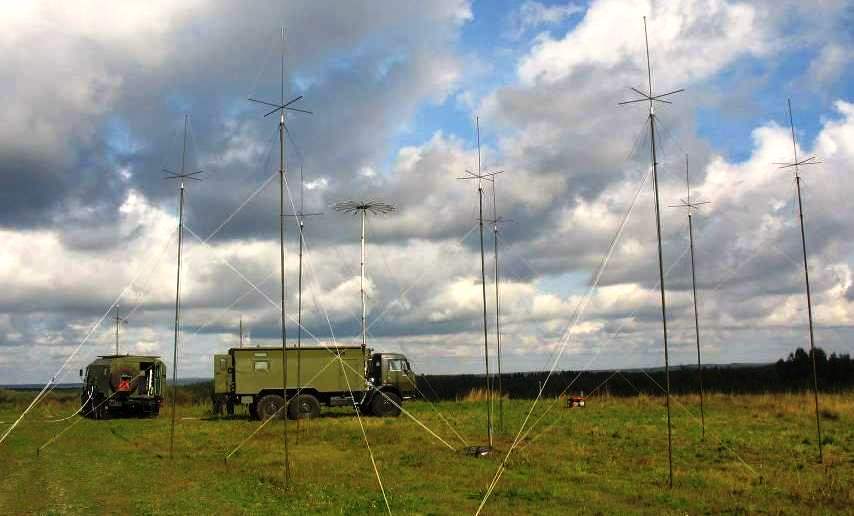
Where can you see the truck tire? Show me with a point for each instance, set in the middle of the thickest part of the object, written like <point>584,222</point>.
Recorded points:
<point>269,406</point>
<point>382,405</point>
<point>303,406</point>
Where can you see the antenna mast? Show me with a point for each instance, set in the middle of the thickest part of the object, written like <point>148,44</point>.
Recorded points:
<point>180,176</point>
<point>363,208</point>
<point>118,320</point>
<point>482,175</point>
<point>691,207</point>
<point>300,218</point>
<point>652,98</point>
<point>496,220</point>
<point>796,164</point>
<point>281,108</point>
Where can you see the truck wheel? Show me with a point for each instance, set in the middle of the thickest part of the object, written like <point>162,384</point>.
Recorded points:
<point>303,406</point>
<point>269,406</point>
<point>382,405</point>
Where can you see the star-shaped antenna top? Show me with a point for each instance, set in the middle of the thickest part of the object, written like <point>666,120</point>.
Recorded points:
<point>796,163</point>
<point>171,174</point>
<point>650,97</point>
<point>687,202</point>
<point>373,207</point>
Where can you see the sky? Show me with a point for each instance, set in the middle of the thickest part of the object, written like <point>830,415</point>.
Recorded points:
<point>95,102</point>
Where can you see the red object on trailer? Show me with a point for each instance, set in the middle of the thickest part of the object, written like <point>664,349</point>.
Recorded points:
<point>575,401</point>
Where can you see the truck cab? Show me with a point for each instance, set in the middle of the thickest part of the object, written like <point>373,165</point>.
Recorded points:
<point>391,374</point>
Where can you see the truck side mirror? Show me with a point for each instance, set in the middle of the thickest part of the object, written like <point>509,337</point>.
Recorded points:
<point>81,373</point>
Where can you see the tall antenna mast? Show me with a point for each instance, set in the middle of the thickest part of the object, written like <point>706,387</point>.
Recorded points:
<point>481,176</point>
<point>119,321</point>
<point>281,108</point>
<point>363,208</point>
<point>496,220</point>
<point>181,176</point>
<point>796,164</point>
<point>300,218</point>
<point>652,98</point>
<point>691,207</point>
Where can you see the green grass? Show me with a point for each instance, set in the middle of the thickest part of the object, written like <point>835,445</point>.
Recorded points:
<point>607,458</point>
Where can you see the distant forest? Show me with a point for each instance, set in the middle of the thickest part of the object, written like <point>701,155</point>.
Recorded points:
<point>835,373</point>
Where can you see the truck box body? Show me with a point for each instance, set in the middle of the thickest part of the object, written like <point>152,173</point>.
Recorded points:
<point>260,369</point>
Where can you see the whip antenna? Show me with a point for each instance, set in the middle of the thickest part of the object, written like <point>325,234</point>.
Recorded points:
<point>363,208</point>
<point>796,164</point>
<point>652,98</point>
<point>691,208</point>
<point>300,218</point>
<point>119,321</point>
<point>481,176</point>
<point>181,176</point>
<point>496,221</point>
<point>282,108</point>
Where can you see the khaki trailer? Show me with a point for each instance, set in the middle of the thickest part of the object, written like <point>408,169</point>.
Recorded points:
<point>122,384</point>
<point>375,382</point>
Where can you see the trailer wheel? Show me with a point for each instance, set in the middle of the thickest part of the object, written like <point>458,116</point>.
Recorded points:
<point>303,406</point>
<point>386,404</point>
<point>269,406</point>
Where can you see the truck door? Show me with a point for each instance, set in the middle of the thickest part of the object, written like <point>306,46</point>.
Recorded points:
<point>220,374</point>
<point>394,368</point>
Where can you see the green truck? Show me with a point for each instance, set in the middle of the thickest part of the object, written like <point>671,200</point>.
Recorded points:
<point>122,384</point>
<point>375,382</point>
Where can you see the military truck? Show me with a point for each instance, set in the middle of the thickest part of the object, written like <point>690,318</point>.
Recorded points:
<point>253,377</point>
<point>122,385</point>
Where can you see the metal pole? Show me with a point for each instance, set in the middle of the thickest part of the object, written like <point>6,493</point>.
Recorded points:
<point>696,326</point>
<point>282,285</point>
<point>483,284</point>
<point>663,302</point>
<point>809,314</point>
<point>807,280</point>
<point>177,320</point>
<point>485,337</point>
<point>241,331</point>
<point>694,290</point>
<point>660,259</point>
<point>299,320</point>
<point>497,312</point>
<point>117,329</point>
<point>362,289</point>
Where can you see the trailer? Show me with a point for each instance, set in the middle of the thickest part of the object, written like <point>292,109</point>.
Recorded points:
<point>375,383</point>
<point>122,384</point>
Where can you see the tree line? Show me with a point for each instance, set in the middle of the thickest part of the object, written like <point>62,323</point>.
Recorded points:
<point>792,374</point>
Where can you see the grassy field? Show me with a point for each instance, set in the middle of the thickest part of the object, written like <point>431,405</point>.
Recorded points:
<point>759,455</point>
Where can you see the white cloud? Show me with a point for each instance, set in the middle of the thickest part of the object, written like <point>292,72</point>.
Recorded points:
<point>532,15</point>
<point>694,37</point>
